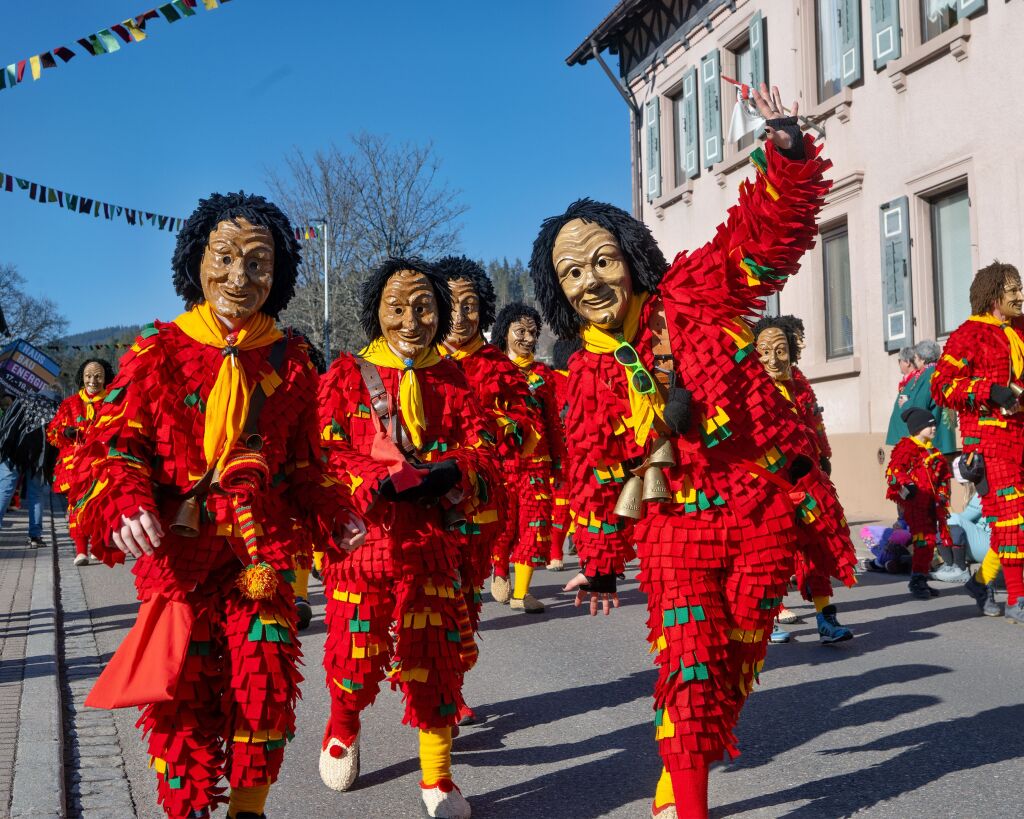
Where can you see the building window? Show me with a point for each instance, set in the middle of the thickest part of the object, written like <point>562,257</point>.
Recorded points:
<point>838,297</point>
<point>829,47</point>
<point>679,139</point>
<point>743,65</point>
<point>937,16</point>
<point>951,258</point>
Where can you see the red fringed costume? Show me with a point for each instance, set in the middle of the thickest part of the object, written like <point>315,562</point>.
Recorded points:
<point>977,356</point>
<point>716,560</point>
<point>916,461</point>
<point>541,469</point>
<point>66,432</point>
<point>812,581</point>
<point>502,392</point>
<point>560,489</point>
<point>233,693</point>
<point>395,605</point>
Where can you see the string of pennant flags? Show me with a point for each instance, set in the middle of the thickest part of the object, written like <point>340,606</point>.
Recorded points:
<point>76,203</point>
<point>306,233</point>
<point>121,345</point>
<point>105,41</point>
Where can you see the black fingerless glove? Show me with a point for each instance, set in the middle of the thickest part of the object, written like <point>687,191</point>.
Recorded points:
<point>826,466</point>
<point>801,466</point>
<point>908,491</point>
<point>1002,396</point>
<point>600,584</point>
<point>443,475</point>
<point>789,126</point>
<point>677,410</point>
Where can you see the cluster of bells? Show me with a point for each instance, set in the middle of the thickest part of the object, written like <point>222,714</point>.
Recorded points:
<point>648,482</point>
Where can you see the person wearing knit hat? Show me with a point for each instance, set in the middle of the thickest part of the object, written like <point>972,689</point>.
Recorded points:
<point>918,482</point>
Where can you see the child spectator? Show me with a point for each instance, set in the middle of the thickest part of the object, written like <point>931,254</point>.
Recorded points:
<point>918,479</point>
<point>889,546</point>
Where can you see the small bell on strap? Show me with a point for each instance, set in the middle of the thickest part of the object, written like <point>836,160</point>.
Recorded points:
<point>655,486</point>
<point>662,453</point>
<point>186,521</point>
<point>629,504</point>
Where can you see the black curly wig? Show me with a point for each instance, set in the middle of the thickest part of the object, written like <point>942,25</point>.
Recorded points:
<point>195,235</point>
<point>462,267</point>
<point>646,262</point>
<point>373,288</point>
<point>797,325</point>
<point>788,327</point>
<point>108,372</point>
<point>512,311</point>
<point>563,351</point>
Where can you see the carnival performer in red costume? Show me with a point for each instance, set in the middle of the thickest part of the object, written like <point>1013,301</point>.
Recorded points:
<point>407,423</point>
<point>727,493</point>
<point>502,391</point>
<point>777,343</point>
<point>563,349</point>
<point>66,432</point>
<point>199,464</point>
<point>918,482</point>
<point>516,331</point>
<point>981,376</point>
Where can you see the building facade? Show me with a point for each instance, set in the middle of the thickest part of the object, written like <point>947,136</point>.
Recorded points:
<point>917,104</point>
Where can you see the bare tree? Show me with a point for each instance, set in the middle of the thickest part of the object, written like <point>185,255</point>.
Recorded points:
<point>37,320</point>
<point>379,200</point>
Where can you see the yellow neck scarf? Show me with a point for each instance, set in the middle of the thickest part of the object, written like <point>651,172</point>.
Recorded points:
<point>523,361</point>
<point>228,404</point>
<point>643,408</point>
<point>459,353</point>
<point>89,400</point>
<point>410,399</point>
<point>1016,344</point>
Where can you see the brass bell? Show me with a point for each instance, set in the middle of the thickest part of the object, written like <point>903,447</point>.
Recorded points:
<point>662,454</point>
<point>655,486</point>
<point>186,522</point>
<point>629,504</point>
<point>454,518</point>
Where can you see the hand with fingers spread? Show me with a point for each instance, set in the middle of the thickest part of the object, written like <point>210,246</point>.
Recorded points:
<point>140,534</point>
<point>600,589</point>
<point>352,534</point>
<point>781,128</point>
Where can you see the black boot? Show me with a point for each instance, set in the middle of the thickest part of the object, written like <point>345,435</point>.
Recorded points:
<point>978,592</point>
<point>920,589</point>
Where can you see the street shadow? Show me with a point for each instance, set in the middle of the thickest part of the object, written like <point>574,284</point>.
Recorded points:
<point>597,784</point>
<point>986,738</point>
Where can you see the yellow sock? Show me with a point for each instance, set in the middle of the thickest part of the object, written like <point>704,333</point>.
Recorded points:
<point>664,795</point>
<point>301,583</point>
<point>524,574</point>
<point>318,560</point>
<point>435,754</point>
<point>248,800</point>
<point>989,568</point>
<point>821,602</point>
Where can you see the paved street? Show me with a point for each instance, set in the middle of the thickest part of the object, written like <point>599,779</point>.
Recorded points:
<point>919,715</point>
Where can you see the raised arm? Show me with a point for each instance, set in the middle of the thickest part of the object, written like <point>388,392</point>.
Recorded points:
<point>773,224</point>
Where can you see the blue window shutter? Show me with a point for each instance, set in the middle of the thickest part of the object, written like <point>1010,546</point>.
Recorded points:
<point>711,97</point>
<point>758,53</point>
<point>691,124</point>
<point>850,62</point>
<point>897,295</point>
<point>652,126</point>
<point>885,31</point>
<point>965,8</point>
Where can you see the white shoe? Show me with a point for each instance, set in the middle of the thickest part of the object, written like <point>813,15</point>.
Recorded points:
<point>81,560</point>
<point>667,812</point>
<point>950,574</point>
<point>555,566</point>
<point>529,604</point>
<point>339,764</point>
<point>93,558</point>
<point>786,616</point>
<point>501,589</point>
<point>445,801</point>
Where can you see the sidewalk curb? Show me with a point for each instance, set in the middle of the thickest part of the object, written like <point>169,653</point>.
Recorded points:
<point>38,788</point>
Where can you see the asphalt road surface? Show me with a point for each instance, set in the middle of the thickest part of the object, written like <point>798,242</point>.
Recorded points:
<point>920,715</point>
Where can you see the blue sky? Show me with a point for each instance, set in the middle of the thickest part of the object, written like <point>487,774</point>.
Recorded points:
<point>211,102</point>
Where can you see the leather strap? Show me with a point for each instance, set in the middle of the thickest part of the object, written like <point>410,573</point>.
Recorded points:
<point>664,369</point>
<point>381,405</point>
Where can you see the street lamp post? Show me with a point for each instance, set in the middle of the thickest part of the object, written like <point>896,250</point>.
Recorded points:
<point>327,290</point>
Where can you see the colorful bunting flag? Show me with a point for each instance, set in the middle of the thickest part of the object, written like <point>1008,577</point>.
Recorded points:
<point>81,204</point>
<point>308,232</point>
<point>104,41</point>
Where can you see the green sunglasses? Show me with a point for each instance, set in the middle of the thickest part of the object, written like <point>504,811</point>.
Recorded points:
<point>639,378</point>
